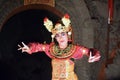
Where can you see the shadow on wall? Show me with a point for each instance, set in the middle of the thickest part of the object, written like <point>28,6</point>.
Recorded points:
<point>113,70</point>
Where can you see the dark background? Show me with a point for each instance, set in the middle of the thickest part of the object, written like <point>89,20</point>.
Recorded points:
<point>26,26</point>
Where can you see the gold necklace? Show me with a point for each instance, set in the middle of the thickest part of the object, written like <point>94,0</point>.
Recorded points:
<point>59,51</point>
<point>62,53</point>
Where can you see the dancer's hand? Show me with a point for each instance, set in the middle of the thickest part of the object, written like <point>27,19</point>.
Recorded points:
<point>93,58</point>
<point>24,48</point>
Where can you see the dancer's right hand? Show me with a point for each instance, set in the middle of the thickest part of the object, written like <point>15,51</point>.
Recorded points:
<point>24,48</point>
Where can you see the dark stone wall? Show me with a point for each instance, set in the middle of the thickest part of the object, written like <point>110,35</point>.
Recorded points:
<point>7,7</point>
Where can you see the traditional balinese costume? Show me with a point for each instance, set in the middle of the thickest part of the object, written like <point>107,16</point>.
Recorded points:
<point>62,65</point>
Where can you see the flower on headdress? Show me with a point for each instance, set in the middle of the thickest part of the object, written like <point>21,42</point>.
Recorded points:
<point>67,16</point>
<point>48,24</point>
<point>66,20</point>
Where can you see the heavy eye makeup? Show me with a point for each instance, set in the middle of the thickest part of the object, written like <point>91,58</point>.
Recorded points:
<point>63,34</point>
<point>57,35</point>
<point>60,34</point>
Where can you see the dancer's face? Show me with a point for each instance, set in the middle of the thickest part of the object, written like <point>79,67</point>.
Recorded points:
<point>62,38</point>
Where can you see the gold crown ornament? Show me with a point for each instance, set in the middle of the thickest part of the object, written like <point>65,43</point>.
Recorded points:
<point>66,27</point>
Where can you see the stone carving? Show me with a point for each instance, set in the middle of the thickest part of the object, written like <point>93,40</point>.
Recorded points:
<point>47,2</point>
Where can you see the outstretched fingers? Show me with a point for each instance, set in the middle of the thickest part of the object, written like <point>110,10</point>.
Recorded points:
<point>20,47</point>
<point>24,44</point>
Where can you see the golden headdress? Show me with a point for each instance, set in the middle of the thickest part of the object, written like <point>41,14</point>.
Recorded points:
<point>66,27</point>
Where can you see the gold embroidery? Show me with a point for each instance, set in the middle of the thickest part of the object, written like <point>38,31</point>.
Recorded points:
<point>58,53</point>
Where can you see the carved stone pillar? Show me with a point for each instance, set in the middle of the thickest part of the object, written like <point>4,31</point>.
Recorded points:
<point>47,2</point>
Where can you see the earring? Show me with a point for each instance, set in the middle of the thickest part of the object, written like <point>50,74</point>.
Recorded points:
<point>69,36</point>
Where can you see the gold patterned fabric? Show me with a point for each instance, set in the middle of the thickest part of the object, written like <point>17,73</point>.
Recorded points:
<point>63,69</point>
<point>59,53</point>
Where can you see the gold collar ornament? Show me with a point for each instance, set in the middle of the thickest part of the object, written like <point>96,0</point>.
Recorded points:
<point>66,27</point>
<point>56,52</point>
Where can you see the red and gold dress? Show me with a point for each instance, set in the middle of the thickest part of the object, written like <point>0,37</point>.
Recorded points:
<point>62,65</point>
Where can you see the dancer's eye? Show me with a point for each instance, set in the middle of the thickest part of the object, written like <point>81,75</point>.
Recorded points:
<point>63,34</point>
